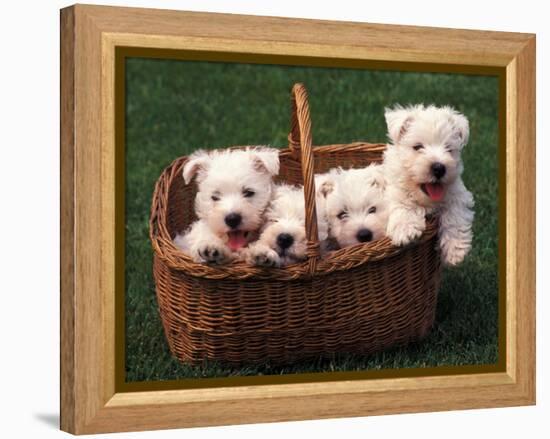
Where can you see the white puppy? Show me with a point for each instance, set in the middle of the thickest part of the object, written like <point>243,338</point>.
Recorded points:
<point>234,189</point>
<point>423,170</point>
<point>283,237</point>
<point>355,204</point>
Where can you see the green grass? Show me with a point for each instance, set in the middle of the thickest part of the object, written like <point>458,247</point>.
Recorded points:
<point>175,107</point>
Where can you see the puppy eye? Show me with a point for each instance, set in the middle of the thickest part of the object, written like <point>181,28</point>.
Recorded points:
<point>215,198</point>
<point>343,214</point>
<point>418,146</point>
<point>449,148</point>
<point>372,209</point>
<point>248,193</point>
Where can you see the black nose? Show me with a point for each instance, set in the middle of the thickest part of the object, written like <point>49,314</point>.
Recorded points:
<point>233,220</point>
<point>284,240</point>
<point>364,235</point>
<point>438,169</point>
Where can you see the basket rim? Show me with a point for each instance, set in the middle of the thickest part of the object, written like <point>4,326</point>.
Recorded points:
<point>342,259</point>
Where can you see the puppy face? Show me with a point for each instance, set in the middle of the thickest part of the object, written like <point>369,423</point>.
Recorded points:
<point>285,230</point>
<point>355,205</point>
<point>425,153</point>
<point>234,188</point>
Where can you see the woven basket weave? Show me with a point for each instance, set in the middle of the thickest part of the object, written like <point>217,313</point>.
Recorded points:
<point>359,299</point>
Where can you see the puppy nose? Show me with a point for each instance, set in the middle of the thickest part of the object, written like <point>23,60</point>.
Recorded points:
<point>364,235</point>
<point>438,169</point>
<point>233,220</point>
<point>284,240</point>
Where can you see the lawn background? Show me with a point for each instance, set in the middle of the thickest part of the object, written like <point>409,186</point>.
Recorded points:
<point>174,107</point>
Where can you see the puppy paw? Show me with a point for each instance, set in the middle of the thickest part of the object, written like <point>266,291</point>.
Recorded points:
<point>453,251</point>
<point>404,233</point>
<point>263,256</point>
<point>212,254</point>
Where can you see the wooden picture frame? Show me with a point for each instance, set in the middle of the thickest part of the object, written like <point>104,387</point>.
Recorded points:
<point>90,36</point>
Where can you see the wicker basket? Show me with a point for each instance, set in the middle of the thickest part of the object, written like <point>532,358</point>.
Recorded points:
<point>359,299</point>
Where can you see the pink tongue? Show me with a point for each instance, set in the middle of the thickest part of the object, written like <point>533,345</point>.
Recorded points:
<point>236,240</point>
<point>435,191</point>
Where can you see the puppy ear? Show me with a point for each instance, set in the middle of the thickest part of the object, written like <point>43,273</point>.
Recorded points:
<point>196,164</point>
<point>325,187</point>
<point>266,160</point>
<point>461,128</point>
<point>398,120</point>
<point>376,177</point>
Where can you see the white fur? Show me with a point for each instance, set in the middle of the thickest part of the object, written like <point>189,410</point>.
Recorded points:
<point>224,177</point>
<point>443,133</point>
<point>285,215</point>
<point>354,201</point>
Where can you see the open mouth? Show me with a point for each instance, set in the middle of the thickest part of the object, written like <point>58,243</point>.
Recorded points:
<point>237,239</point>
<point>434,191</point>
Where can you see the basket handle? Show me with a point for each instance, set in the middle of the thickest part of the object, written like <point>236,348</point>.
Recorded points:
<point>300,145</point>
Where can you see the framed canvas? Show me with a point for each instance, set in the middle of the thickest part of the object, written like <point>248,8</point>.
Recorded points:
<point>143,89</point>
